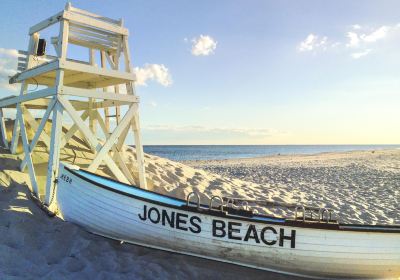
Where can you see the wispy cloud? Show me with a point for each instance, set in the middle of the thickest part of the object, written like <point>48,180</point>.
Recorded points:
<point>357,55</point>
<point>250,132</point>
<point>313,42</point>
<point>153,72</point>
<point>8,67</point>
<point>203,45</point>
<point>359,40</point>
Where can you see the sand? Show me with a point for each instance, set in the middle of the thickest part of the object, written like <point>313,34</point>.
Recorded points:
<point>362,186</point>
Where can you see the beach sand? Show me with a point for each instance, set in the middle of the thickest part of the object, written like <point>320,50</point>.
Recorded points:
<point>362,186</point>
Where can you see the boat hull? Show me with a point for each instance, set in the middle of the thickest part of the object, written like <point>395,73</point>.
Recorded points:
<point>108,209</point>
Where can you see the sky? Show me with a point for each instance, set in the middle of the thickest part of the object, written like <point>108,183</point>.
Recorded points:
<point>248,72</point>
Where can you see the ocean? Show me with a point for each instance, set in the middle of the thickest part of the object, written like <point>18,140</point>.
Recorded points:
<point>207,152</point>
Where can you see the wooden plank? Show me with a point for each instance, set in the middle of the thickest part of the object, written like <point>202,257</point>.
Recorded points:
<point>3,130</point>
<point>46,23</point>
<point>118,157</point>
<point>35,71</point>
<point>39,131</point>
<point>98,94</point>
<point>74,66</point>
<point>92,120</point>
<point>86,13</point>
<point>73,17</point>
<point>73,129</point>
<point>63,41</point>
<point>111,140</point>
<point>28,156</point>
<point>33,124</point>
<point>135,124</point>
<point>91,138</point>
<point>139,149</point>
<point>106,110</point>
<point>27,97</point>
<point>91,44</point>
<point>54,155</point>
<point>102,125</point>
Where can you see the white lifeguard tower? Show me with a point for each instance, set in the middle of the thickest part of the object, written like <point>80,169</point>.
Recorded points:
<point>84,91</point>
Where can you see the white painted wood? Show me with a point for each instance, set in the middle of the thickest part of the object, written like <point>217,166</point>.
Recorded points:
<point>73,17</point>
<point>27,97</point>
<point>34,125</point>
<point>39,131</point>
<point>136,122</point>
<point>27,152</point>
<point>63,41</point>
<point>54,155</point>
<point>3,130</point>
<point>111,140</point>
<point>91,139</point>
<point>87,13</point>
<point>15,135</point>
<point>319,253</point>
<point>117,155</point>
<point>98,94</point>
<point>92,120</point>
<point>46,23</point>
<point>74,128</point>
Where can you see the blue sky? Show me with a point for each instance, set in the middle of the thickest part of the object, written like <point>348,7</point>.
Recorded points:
<point>268,72</point>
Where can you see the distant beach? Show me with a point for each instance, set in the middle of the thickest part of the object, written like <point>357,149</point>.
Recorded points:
<point>214,152</point>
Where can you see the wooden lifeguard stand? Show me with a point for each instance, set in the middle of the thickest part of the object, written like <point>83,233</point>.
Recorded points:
<point>80,89</point>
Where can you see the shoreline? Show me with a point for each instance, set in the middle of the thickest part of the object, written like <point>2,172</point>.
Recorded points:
<point>290,156</point>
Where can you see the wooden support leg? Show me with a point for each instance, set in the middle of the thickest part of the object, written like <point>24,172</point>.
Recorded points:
<point>54,156</point>
<point>139,148</point>
<point>15,136</point>
<point>3,130</point>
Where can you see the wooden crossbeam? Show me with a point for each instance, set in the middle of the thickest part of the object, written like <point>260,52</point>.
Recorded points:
<point>98,94</point>
<point>33,124</point>
<point>46,23</point>
<point>27,97</point>
<point>74,128</point>
<point>38,132</point>
<point>118,157</point>
<point>111,140</point>
<point>91,138</point>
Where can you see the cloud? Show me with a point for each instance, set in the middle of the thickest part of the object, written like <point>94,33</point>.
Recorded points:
<point>153,72</point>
<point>203,45</point>
<point>313,42</point>
<point>357,55</point>
<point>249,132</point>
<point>376,35</point>
<point>8,67</point>
<point>359,38</point>
<point>356,38</point>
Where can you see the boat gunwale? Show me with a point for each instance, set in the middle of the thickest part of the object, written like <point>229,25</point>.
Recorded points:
<point>217,213</point>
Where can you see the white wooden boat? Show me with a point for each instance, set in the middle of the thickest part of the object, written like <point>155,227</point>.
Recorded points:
<point>311,248</point>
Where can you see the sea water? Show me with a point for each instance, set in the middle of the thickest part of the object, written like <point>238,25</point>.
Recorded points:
<point>207,152</point>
